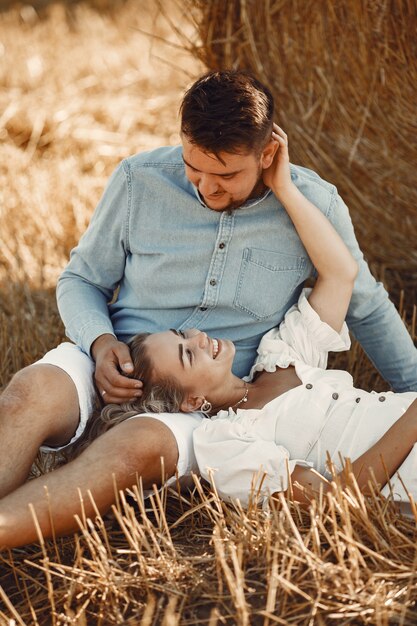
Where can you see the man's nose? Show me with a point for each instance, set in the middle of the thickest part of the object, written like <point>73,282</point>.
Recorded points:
<point>207,185</point>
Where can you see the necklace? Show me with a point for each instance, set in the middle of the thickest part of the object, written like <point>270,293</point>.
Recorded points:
<point>244,399</point>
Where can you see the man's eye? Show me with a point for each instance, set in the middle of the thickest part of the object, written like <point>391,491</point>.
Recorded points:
<point>190,356</point>
<point>181,333</point>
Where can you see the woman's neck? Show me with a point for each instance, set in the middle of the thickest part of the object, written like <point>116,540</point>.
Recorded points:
<point>254,395</point>
<point>236,395</point>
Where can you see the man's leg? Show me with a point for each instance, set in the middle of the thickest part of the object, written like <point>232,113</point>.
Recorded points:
<point>40,405</point>
<point>132,448</point>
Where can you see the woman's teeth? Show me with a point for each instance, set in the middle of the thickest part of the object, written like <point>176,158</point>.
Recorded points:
<point>215,348</point>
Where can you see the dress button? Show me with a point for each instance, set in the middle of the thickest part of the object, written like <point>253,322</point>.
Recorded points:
<point>309,386</point>
<point>358,400</point>
<point>381,398</point>
<point>203,308</point>
<point>335,396</point>
<point>222,245</point>
<point>213,282</point>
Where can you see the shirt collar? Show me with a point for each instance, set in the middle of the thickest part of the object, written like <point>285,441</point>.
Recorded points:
<point>246,205</point>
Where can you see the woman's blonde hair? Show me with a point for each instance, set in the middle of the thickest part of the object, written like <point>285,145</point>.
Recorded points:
<point>159,395</point>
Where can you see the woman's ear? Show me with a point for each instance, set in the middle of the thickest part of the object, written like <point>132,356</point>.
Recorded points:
<point>191,403</point>
<point>268,153</point>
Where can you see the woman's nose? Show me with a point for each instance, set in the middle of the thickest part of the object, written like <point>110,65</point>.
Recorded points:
<point>191,332</point>
<point>197,338</point>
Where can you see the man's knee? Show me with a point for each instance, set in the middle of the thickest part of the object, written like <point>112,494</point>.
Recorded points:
<point>20,391</point>
<point>43,391</point>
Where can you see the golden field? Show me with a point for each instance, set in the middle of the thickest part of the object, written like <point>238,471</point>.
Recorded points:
<point>81,88</point>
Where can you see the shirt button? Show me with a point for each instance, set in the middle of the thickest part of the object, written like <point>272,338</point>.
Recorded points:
<point>381,398</point>
<point>358,400</point>
<point>335,396</point>
<point>309,386</point>
<point>203,308</point>
<point>213,282</point>
<point>222,245</point>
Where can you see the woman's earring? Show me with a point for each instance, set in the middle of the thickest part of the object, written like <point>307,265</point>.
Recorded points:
<point>206,407</point>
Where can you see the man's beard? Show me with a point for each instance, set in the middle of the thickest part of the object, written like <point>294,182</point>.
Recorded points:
<point>257,190</point>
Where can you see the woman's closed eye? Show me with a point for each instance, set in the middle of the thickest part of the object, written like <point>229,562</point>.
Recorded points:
<point>190,355</point>
<point>187,351</point>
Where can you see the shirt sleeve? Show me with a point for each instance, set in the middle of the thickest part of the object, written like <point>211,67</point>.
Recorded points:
<point>301,336</point>
<point>239,464</point>
<point>96,266</point>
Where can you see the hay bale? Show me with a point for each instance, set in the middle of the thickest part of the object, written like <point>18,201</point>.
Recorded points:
<point>344,77</point>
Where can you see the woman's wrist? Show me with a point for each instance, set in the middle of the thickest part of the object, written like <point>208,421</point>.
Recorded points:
<point>287,193</point>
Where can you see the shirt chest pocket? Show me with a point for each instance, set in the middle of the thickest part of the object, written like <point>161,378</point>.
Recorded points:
<point>267,280</point>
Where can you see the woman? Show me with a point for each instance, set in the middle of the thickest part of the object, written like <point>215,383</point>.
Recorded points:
<point>289,413</point>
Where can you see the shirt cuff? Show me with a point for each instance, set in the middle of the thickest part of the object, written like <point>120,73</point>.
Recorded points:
<point>90,330</point>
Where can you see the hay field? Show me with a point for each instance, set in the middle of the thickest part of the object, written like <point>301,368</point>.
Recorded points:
<point>79,90</point>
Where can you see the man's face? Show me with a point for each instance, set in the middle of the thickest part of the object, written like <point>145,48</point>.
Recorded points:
<point>225,185</point>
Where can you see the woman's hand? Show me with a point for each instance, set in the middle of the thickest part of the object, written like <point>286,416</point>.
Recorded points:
<point>278,176</point>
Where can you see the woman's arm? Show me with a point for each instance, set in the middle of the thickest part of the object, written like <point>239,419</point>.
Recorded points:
<point>336,267</point>
<point>381,460</point>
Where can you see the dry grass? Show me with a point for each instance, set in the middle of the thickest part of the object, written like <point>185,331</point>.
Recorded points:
<point>194,560</point>
<point>78,92</point>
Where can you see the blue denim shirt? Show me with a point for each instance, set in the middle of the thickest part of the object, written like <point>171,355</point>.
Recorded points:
<point>176,263</point>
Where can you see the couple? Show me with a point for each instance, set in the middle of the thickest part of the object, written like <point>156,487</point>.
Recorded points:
<point>205,236</point>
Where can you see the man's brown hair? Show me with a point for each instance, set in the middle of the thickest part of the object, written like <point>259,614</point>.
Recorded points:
<point>228,111</point>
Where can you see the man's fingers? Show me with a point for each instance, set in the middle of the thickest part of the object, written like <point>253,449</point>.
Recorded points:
<point>113,378</point>
<point>122,353</point>
<point>125,385</point>
<point>113,398</point>
<point>113,387</point>
<point>111,393</point>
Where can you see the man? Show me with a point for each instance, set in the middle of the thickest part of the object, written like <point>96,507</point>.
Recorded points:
<point>186,237</point>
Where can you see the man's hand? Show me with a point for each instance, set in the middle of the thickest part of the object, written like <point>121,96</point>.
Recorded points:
<point>277,176</point>
<point>112,357</point>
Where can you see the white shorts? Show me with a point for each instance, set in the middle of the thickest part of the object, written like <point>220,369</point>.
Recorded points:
<point>80,368</point>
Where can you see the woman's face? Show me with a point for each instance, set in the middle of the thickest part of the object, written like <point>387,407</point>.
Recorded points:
<point>201,365</point>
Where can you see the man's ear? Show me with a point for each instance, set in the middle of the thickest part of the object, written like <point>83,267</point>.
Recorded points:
<point>268,153</point>
<point>191,403</point>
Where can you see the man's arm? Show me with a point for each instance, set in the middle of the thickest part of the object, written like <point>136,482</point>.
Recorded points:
<point>96,267</point>
<point>87,284</point>
<point>373,318</point>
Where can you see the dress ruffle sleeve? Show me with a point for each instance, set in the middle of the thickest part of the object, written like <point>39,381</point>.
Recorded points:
<point>301,336</point>
<point>240,463</point>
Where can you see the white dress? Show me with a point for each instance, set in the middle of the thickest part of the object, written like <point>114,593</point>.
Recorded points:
<point>240,448</point>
